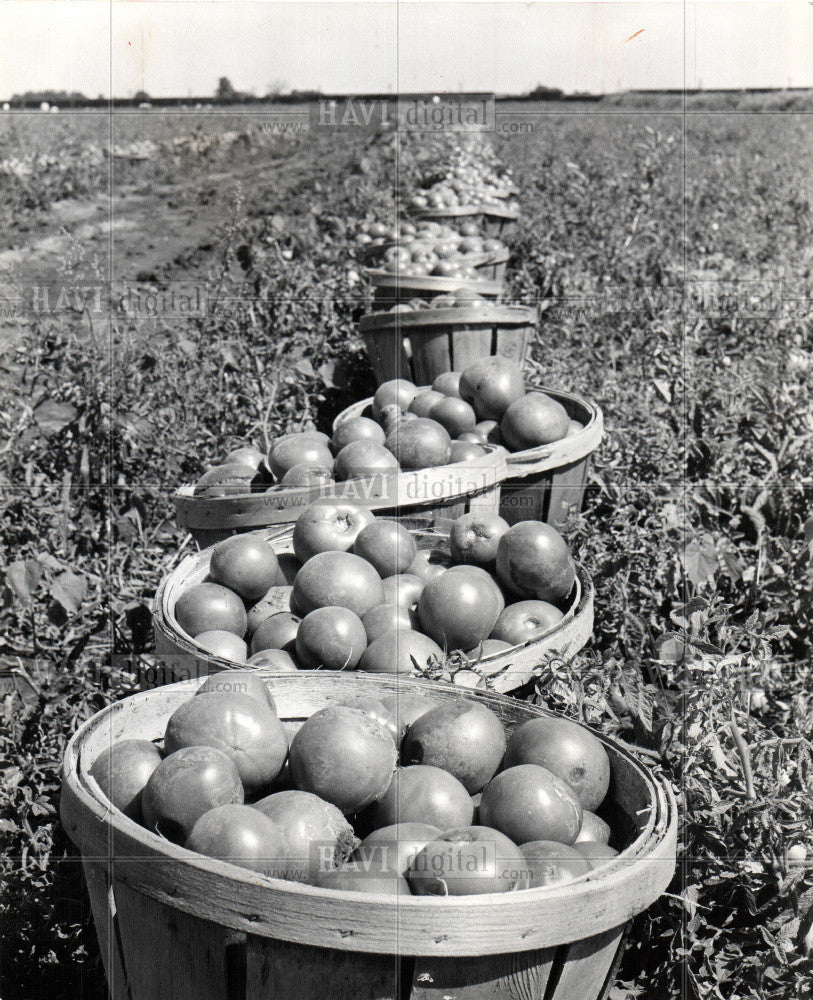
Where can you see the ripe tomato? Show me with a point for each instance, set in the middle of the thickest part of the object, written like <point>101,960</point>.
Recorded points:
<point>386,545</point>
<point>429,563</point>
<point>465,451</point>
<point>245,564</point>
<point>596,853</point>
<point>399,392</point>
<point>463,737</point>
<point>276,632</point>
<point>492,387</point>
<point>403,589</point>
<point>386,617</point>
<point>315,834</point>
<point>420,444</point>
<point>247,455</point>
<point>447,383</point>
<point>357,429</point>
<point>207,607</point>
<point>553,863</point>
<point>184,786</point>
<point>475,536</point>
<point>240,835</point>
<point>358,877</point>
<point>460,607</point>
<point>400,651</point>
<point>364,458</point>
<point>490,430</point>
<point>307,475</point>
<point>224,644</point>
<point>298,449</point>
<point>466,862</point>
<point>344,756</point>
<point>534,420</point>
<point>330,638</point>
<point>407,706</point>
<point>528,802</point>
<point>533,561</point>
<point>239,725</point>
<point>238,682</point>
<point>328,526</point>
<point>424,794</point>
<point>122,771</point>
<point>376,709</point>
<point>337,579</point>
<point>568,750</point>
<point>454,414</point>
<point>424,401</point>
<point>593,829</point>
<point>232,479</point>
<point>392,848</point>
<point>277,660</point>
<point>526,620</point>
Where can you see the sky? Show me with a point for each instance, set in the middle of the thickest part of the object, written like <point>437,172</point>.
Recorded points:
<point>182,47</point>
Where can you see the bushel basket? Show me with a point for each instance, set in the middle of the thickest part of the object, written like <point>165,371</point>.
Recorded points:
<point>179,658</point>
<point>494,220</point>
<point>423,344</point>
<point>392,287</point>
<point>175,925</point>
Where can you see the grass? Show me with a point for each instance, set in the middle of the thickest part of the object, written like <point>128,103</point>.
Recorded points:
<point>673,267</point>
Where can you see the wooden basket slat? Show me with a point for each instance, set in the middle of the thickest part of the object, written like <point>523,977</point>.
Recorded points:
<point>103,908</point>
<point>169,953</point>
<point>522,974</point>
<point>512,343</point>
<point>218,892</point>
<point>391,287</point>
<point>469,345</point>
<point>586,964</point>
<point>288,971</point>
<point>182,659</point>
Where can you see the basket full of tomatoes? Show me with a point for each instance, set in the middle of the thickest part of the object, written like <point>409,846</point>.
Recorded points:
<point>385,836</point>
<point>549,434</point>
<point>481,602</point>
<point>498,218</point>
<point>419,340</point>
<point>423,475</point>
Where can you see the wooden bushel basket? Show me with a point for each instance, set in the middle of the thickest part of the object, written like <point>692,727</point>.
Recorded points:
<point>391,287</point>
<point>175,925</point>
<point>447,492</point>
<point>494,220</point>
<point>179,658</point>
<point>487,265</point>
<point>423,344</point>
<point>548,482</point>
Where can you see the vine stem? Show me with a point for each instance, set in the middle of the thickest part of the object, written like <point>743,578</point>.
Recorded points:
<point>745,757</point>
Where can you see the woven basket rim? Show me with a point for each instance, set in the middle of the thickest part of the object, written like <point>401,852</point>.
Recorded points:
<point>482,315</point>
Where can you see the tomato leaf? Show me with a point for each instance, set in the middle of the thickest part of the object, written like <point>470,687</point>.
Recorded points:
<point>69,590</point>
<point>52,417</point>
<point>22,578</point>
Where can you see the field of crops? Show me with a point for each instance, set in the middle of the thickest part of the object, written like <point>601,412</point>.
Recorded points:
<point>671,259</point>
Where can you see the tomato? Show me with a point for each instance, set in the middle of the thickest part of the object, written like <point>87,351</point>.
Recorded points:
<point>239,725</point>
<point>299,449</point>
<point>233,478</point>
<point>397,391</point>
<point>468,861</point>
<point>424,401</point>
<point>357,429</point>
<point>337,579</point>
<point>573,427</point>
<point>331,638</point>
<point>122,770</point>
<point>240,835</point>
<point>400,651</point>
<point>276,632</point>
<point>490,430</point>
<point>403,589</point>
<point>493,388</point>
<point>245,564</point>
<point>424,794</point>
<point>528,802</point>
<point>277,660</point>
<point>533,561</point>
<point>307,475</point>
<point>593,828</point>
<point>454,414</point>
<point>407,706</point>
<point>392,848</point>
<point>463,737</point>
<point>429,563</point>
<point>488,647</point>
<point>465,451</point>
<point>344,756</point>
<point>315,833</point>
<point>568,750</point>
<point>238,682</point>
<point>208,607</point>
<point>386,545</point>
<point>328,526</point>
<point>386,617</point>
<point>526,620</point>
<point>475,536</point>
<point>447,383</point>
<point>597,854</point>
<point>553,863</point>
<point>420,444</point>
<point>460,607</point>
<point>364,458</point>
<point>376,709</point>
<point>224,644</point>
<point>184,786</point>
<point>247,455</point>
<point>534,420</point>
<point>358,877</point>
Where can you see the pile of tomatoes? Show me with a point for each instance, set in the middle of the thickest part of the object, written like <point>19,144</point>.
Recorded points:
<point>410,429</point>
<point>402,794</point>
<point>359,593</point>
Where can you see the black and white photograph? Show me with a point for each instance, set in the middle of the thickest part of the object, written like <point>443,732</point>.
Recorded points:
<point>406,500</point>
